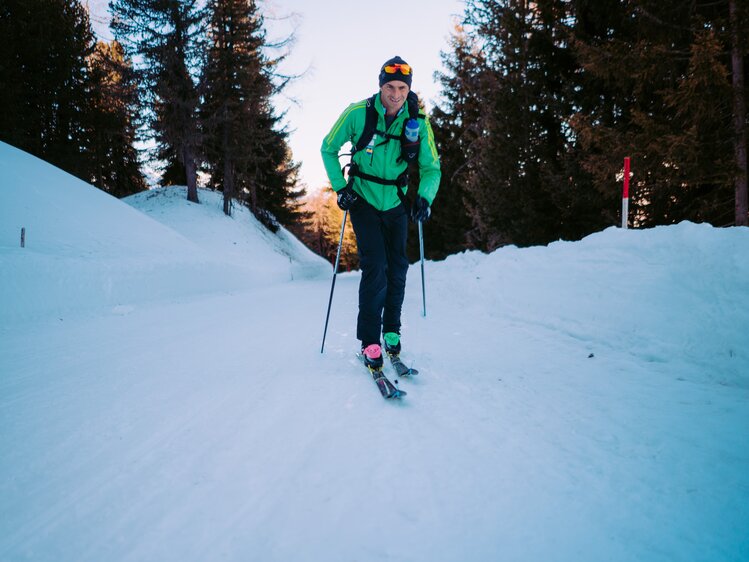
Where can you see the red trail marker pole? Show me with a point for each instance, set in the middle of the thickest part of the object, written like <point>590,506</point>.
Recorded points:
<point>625,193</point>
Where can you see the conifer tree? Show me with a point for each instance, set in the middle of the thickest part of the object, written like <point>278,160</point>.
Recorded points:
<point>522,147</point>
<point>670,68</point>
<point>738,14</point>
<point>111,131</point>
<point>456,126</point>
<point>320,230</point>
<point>245,145</point>
<point>164,37</point>
<point>43,71</point>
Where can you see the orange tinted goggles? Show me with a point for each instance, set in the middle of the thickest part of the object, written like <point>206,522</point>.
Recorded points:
<point>404,69</point>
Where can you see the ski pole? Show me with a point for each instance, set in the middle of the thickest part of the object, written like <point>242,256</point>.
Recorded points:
<point>421,251</point>
<point>335,272</point>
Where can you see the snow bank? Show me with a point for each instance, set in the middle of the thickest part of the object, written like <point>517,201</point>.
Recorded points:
<point>669,294</point>
<point>86,250</point>
<point>240,239</point>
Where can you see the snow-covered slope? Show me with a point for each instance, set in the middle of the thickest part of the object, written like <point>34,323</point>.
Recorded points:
<point>86,250</point>
<point>240,239</point>
<point>583,401</point>
<point>665,295</point>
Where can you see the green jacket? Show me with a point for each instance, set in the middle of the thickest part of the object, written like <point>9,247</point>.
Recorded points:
<point>382,161</point>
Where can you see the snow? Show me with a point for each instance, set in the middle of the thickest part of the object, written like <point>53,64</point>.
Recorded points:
<point>86,250</point>
<point>163,396</point>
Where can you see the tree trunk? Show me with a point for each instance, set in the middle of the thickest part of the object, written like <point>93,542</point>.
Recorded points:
<point>253,196</point>
<point>739,119</point>
<point>228,167</point>
<point>228,185</point>
<point>192,178</point>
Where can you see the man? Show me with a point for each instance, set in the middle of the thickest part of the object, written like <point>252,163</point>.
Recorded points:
<point>375,196</point>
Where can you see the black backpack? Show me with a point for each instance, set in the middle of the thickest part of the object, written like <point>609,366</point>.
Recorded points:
<point>409,150</point>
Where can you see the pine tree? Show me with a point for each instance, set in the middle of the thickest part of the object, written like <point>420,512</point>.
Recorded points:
<point>455,123</point>
<point>738,23</point>
<point>111,130</point>
<point>43,71</point>
<point>320,231</point>
<point>520,185</point>
<point>164,36</point>
<point>668,71</point>
<point>231,89</point>
<point>246,151</point>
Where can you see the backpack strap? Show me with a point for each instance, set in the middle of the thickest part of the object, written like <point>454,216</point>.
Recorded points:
<point>410,149</point>
<point>412,102</point>
<point>370,122</point>
<point>370,128</point>
<point>399,182</point>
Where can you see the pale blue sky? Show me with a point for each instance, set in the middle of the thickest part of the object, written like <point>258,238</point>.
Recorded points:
<point>343,44</point>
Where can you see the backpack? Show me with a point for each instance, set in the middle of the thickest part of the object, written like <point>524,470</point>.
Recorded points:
<point>409,150</point>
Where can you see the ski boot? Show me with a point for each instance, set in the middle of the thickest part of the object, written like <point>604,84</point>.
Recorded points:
<point>372,355</point>
<point>392,344</point>
<point>393,350</point>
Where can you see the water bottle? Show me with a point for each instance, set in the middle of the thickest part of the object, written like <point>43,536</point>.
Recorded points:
<point>412,130</point>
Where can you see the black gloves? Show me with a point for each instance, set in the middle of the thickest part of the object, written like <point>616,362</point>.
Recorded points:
<point>346,198</point>
<point>421,210</point>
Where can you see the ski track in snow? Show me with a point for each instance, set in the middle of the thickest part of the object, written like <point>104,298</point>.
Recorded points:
<point>583,401</point>
<point>206,442</point>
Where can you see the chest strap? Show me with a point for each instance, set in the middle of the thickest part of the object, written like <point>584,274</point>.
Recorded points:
<point>399,182</point>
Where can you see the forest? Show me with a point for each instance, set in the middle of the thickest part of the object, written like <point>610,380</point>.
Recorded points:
<point>540,103</point>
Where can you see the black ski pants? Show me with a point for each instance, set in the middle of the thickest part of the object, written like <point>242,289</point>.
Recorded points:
<point>381,242</point>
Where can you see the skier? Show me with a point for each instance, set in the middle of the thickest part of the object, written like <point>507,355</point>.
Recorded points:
<point>387,132</point>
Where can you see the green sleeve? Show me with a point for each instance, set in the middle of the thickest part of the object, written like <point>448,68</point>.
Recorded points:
<point>429,164</point>
<point>341,133</point>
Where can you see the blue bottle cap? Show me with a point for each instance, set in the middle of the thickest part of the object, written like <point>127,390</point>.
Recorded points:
<point>412,130</point>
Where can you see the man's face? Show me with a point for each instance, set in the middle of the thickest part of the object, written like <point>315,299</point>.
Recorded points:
<point>393,95</point>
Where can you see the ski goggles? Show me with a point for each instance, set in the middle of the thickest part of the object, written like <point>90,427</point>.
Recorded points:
<point>404,69</point>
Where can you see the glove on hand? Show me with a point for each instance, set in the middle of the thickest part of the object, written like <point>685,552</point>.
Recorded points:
<point>421,210</point>
<point>346,198</point>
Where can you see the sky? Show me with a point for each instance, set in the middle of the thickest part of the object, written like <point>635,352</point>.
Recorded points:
<point>340,46</point>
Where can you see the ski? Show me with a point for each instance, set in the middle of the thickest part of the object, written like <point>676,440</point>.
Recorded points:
<point>387,388</point>
<point>401,369</point>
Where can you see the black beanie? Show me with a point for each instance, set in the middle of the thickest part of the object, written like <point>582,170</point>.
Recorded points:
<point>397,75</point>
